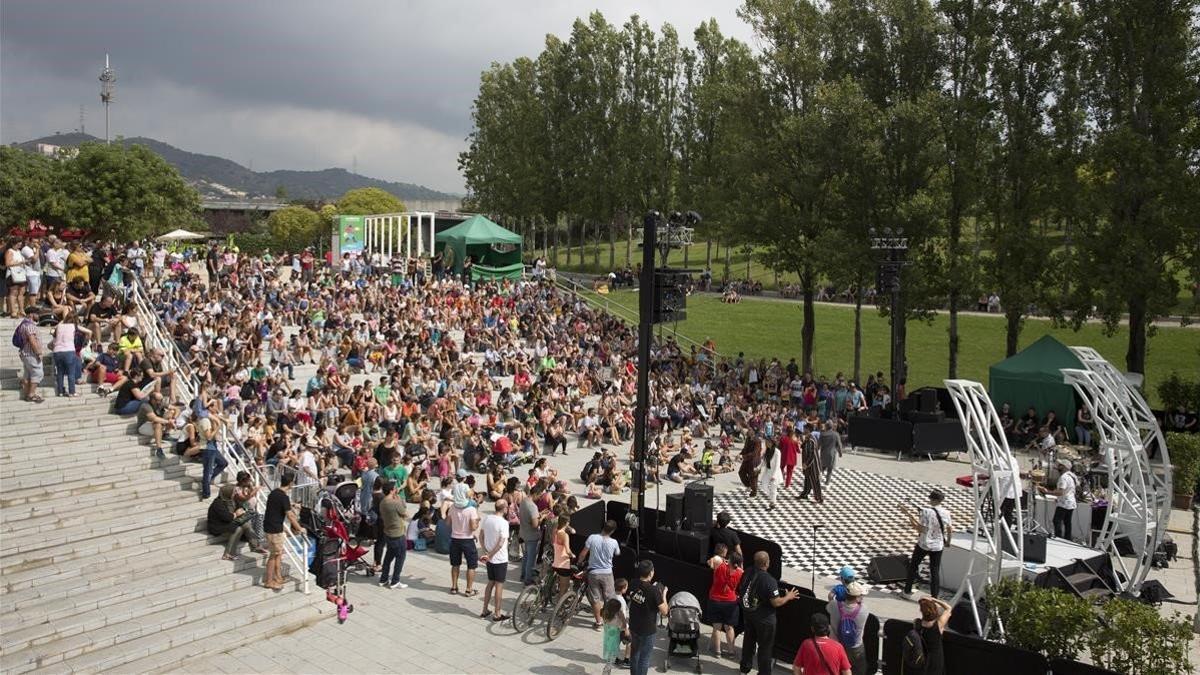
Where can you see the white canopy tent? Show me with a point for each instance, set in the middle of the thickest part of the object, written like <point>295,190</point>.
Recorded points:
<point>180,235</point>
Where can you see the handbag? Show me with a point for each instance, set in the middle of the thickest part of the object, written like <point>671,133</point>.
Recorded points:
<point>17,274</point>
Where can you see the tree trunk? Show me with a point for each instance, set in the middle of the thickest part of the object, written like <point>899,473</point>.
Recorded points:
<point>568,242</point>
<point>1012,330</point>
<point>1196,561</point>
<point>858,301</point>
<point>628,241</point>
<point>952,368</point>
<point>1135,355</point>
<point>708,254</point>
<point>612,245</point>
<point>728,271</point>
<point>808,327</point>
<point>556,236</point>
<point>596,250</point>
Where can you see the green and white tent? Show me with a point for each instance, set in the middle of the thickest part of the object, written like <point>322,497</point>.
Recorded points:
<point>496,252</point>
<point>1033,377</point>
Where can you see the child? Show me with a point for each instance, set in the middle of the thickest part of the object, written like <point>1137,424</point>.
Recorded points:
<point>846,575</point>
<point>615,624</point>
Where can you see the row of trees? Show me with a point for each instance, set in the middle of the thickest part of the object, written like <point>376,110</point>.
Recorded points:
<point>116,191</point>
<point>1048,151</point>
<point>294,227</point>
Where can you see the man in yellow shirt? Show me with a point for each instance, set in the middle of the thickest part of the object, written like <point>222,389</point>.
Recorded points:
<point>131,347</point>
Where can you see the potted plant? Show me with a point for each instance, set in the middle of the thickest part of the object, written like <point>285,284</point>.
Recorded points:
<point>1184,450</point>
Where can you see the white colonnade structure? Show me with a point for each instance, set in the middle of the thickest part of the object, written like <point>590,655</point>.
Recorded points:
<point>407,234</point>
<point>1135,454</point>
<point>990,456</point>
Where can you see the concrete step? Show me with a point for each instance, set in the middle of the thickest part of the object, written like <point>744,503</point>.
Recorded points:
<point>183,545</point>
<point>146,539</point>
<point>117,506</point>
<point>114,523</point>
<point>105,474</point>
<point>135,453</point>
<point>121,638</point>
<point>85,608</point>
<point>70,449</point>
<point>72,504</point>
<point>81,424</point>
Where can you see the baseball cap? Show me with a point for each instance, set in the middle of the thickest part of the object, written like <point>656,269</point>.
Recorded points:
<point>855,590</point>
<point>847,573</point>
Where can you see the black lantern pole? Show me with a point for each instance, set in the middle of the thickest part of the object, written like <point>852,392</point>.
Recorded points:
<point>893,246</point>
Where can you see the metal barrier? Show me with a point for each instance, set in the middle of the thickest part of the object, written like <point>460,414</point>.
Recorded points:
<point>230,447</point>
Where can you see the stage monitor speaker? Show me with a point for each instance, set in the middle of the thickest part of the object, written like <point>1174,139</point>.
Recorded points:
<point>674,514</point>
<point>690,547</point>
<point>698,506</point>
<point>1035,547</point>
<point>962,621</point>
<point>888,569</point>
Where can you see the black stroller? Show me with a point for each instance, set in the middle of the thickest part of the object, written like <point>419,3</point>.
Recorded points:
<point>683,628</point>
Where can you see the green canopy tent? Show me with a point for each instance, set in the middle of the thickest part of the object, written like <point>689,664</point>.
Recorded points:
<point>1033,377</point>
<point>496,252</point>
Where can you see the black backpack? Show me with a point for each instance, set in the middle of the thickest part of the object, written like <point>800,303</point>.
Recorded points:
<point>748,598</point>
<point>913,658</point>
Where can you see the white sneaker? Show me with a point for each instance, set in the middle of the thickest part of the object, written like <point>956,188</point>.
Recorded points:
<point>399,584</point>
<point>909,596</point>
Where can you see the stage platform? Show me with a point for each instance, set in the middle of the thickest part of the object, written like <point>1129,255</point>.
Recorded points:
<point>1060,554</point>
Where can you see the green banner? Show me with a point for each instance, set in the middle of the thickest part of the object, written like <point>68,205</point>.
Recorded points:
<point>351,234</point>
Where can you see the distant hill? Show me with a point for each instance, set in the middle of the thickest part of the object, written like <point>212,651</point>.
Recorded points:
<point>220,177</point>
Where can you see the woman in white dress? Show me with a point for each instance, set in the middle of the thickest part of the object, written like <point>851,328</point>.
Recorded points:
<point>771,475</point>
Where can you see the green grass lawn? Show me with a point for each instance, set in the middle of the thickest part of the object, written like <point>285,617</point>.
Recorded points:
<point>764,328</point>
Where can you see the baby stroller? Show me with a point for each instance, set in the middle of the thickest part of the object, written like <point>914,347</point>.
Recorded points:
<point>683,628</point>
<point>338,556</point>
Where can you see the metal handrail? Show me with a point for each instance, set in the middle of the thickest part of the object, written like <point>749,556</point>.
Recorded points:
<point>229,445</point>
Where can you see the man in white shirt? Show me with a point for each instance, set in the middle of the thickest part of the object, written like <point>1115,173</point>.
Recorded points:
<point>1064,490</point>
<point>933,526</point>
<point>493,540</point>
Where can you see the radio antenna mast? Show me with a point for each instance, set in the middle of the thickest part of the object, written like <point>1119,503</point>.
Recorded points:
<point>108,87</point>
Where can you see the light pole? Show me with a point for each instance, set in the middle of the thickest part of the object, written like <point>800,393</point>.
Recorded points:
<point>893,245</point>
<point>108,87</point>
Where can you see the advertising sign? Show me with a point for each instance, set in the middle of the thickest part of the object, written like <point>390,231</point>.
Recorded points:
<point>351,234</point>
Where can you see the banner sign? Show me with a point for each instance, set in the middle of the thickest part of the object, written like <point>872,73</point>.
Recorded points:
<point>351,234</point>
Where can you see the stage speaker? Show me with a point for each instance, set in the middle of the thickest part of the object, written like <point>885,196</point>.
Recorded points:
<point>888,569</point>
<point>1035,547</point>
<point>698,506</point>
<point>961,619</point>
<point>674,514</point>
<point>690,547</point>
<point>928,400</point>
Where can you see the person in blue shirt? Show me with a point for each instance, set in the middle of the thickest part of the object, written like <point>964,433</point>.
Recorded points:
<point>845,576</point>
<point>599,551</point>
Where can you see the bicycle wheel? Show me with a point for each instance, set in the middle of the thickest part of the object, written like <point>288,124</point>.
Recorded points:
<point>563,610</point>
<point>529,603</point>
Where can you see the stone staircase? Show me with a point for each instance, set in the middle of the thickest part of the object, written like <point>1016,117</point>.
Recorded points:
<point>105,564</point>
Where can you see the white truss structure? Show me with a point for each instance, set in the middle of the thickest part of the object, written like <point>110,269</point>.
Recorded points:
<point>990,456</point>
<point>390,234</point>
<point>1140,490</point>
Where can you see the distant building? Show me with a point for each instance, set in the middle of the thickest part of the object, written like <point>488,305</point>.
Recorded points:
<point>55,151</point>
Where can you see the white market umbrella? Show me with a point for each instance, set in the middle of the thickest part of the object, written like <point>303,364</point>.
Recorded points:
<point>180,235</point>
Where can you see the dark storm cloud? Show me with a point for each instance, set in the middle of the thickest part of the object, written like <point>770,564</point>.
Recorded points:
<point>187,70</point>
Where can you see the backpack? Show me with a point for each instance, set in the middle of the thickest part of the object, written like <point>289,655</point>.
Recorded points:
<point>913,649</point>
<point>847,625</point>
<point>19,336</point>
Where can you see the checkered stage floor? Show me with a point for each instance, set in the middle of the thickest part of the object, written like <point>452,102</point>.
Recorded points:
<point>859,520</point>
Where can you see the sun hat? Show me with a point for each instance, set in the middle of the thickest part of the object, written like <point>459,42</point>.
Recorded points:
<point>855,590</point>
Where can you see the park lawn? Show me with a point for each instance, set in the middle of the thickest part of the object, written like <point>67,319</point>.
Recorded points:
<point>763,328</point>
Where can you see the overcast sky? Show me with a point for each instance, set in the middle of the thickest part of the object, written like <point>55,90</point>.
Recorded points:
<point>298,84</point>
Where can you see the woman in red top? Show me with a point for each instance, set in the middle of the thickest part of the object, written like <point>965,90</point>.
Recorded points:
<point>821,654</point>
<point>722,596</point>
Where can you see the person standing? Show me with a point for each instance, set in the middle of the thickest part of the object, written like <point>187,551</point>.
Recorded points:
<point>789,450</point>
<point>932,524</point>
<point>30,346</point>
<point>394,516</point>
<point>751,458</point>
<point>464,521</point>
<point>723,534</point>
<point>67,368</point>
<point>1064,490</point>
<point>493,539</point>
<point>811,460</point>
<point>771,476</point>
<point>647,602</point>
<point>279,509</point>
<point>722,597</point>
<point>935,614</point>
<point>599,550</point>
<point>759,597</point>
<point>849,618</point>
<point>820,654</point>
<point>830,443</point>
<point>530,531</point>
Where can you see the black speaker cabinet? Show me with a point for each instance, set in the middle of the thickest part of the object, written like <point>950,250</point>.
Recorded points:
<point>675,511</point>
<point>888,569</point>
<point>682,545</point>
<point>698,506</point>
<point>1035,547</point>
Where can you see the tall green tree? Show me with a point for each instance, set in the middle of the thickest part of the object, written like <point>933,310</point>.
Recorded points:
<point>28,188</point>
<point>368,201</point>
<point>122,192</point>
<point>294,227</point>
<point>1142,98</point>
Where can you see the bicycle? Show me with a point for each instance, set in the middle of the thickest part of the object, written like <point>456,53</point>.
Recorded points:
<point>567,604</point>
<point>536,598</point>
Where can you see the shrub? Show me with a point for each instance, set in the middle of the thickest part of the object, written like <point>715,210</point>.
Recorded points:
<point>1184,450</point>
<point>1135,639</point>
<point>1046,620</point>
